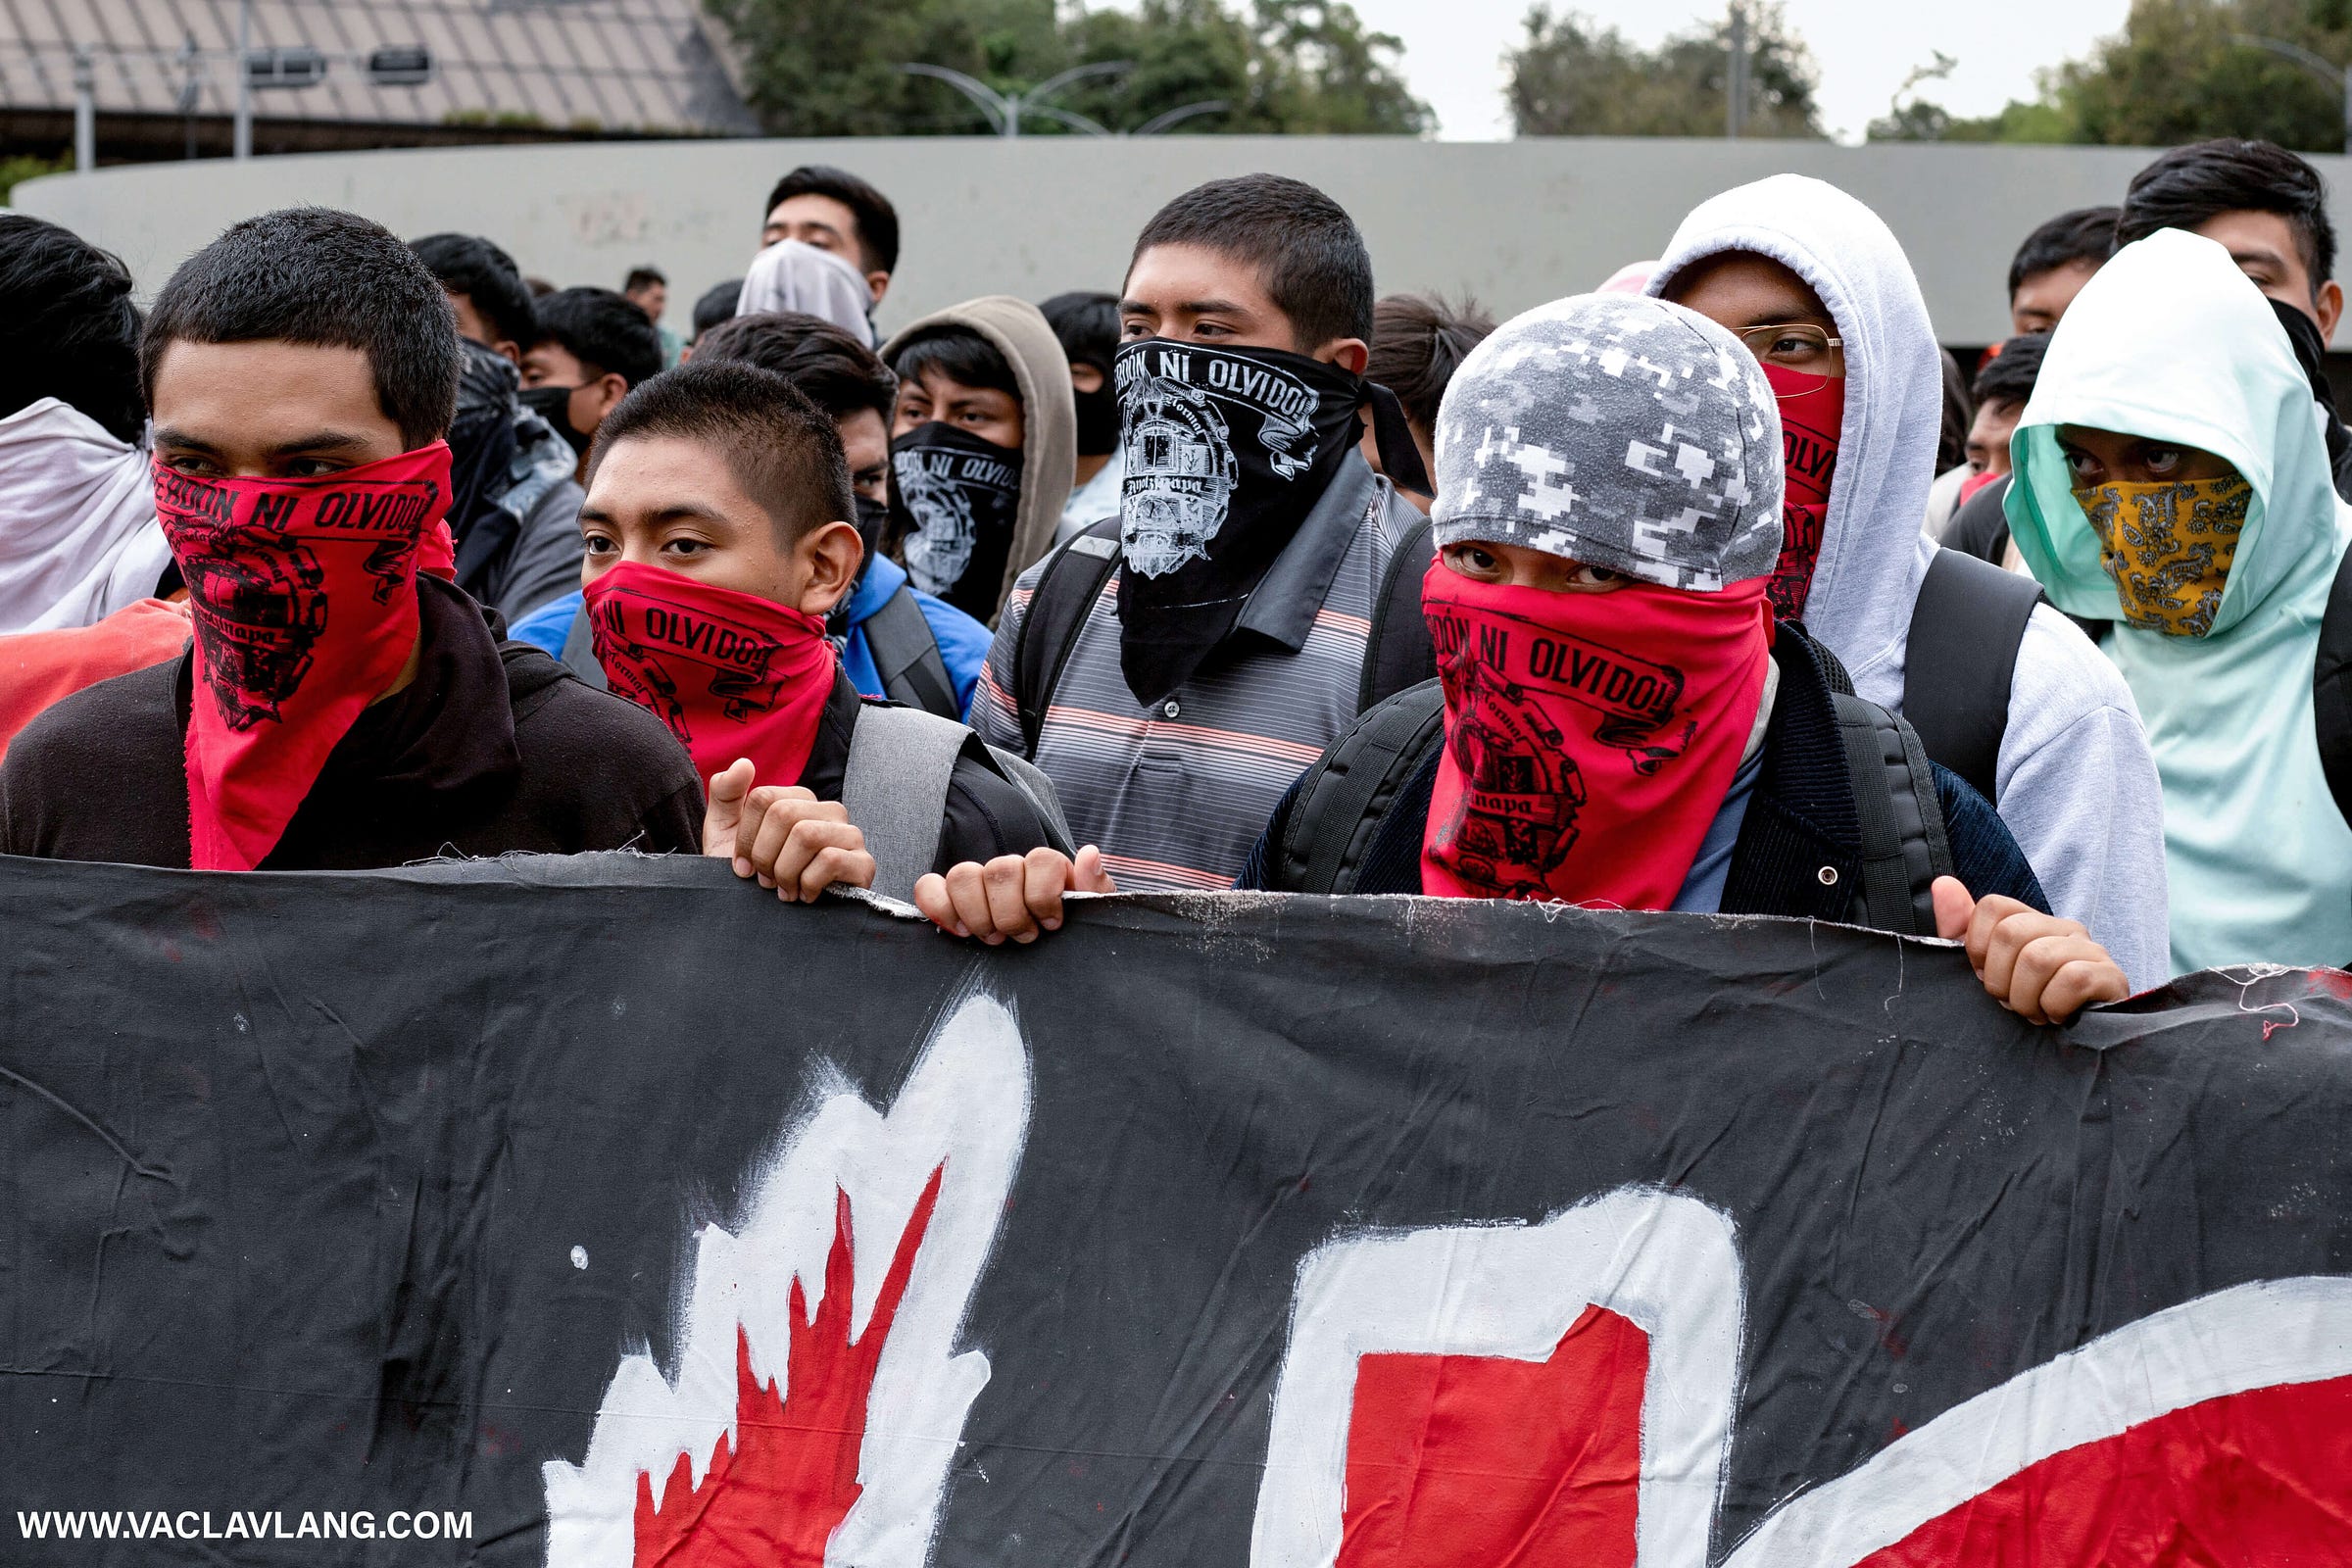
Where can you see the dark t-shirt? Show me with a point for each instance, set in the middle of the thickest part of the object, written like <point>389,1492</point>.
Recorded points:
<point>492,748</point>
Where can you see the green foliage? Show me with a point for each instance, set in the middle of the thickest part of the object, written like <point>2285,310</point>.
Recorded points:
<point>1572,77</point>
<point>830,67</point>
<point>27,166</point>
<point>2180,71</point>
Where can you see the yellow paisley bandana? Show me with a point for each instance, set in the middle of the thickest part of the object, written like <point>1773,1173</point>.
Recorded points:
<point>2169,547</point>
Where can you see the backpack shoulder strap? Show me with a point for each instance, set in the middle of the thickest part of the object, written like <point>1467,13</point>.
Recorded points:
<point>2332,688</point>
<point>579,652</point>
<point>1348,791</point>
<point>1399,654</point>
<point>1066,590</point>
<point>906,655</point>
<point>895,789</point>
<point>1904,847</point>
<point>1960,658</point>
<point>1031,780</point>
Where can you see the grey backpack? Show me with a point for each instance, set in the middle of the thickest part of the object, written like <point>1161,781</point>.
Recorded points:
<point>895,789</point>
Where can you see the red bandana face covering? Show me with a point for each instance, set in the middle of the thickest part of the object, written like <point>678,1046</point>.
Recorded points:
<point>731,674</point>
<point>1590,738</point>
<point>1812,411</point>
<point>303,598</point>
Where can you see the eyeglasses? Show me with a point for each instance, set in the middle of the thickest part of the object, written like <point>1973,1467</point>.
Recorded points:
<point>1798,346</point>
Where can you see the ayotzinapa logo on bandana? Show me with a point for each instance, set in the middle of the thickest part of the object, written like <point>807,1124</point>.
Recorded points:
<point>256,589</point>
<point>936,484</point>
<point>1181,465</point>
<point>1517,820</point>
<point>646,631</point>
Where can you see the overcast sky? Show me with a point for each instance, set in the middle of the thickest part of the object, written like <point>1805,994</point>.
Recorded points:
<point>1864,47</point>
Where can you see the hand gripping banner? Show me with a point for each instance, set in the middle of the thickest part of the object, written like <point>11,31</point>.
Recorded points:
<point>1260,1232</point>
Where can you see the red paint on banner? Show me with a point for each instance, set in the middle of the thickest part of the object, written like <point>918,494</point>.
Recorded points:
<point>1490,1461</point>
<point>775,1498</point>
<point>2247,1478</point>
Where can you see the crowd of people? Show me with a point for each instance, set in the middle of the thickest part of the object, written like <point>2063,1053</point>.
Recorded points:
<point>1720,588</point>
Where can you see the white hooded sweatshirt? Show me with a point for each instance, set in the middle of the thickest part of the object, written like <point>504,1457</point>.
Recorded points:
<point>2075,781</point>
<point>78,538</point>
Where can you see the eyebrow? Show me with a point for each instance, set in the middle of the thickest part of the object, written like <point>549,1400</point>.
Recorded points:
<point>661,515</point>
<point>316,441</point>
<point>1186,307</point>
<point>2257,258</point>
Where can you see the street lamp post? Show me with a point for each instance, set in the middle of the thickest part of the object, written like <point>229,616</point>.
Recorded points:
<point>1004,111</point>
<point>2340,76</point>
<point>242,140</point>
<point>85,111</point>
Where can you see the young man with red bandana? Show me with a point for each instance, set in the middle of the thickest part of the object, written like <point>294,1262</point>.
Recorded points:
<point>720,531</point>
<point>2020,704</point>
<point>342,704</point>
<point>1618,722</point>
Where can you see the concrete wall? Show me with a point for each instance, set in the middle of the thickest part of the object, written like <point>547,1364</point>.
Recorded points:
<point>1514,223</point>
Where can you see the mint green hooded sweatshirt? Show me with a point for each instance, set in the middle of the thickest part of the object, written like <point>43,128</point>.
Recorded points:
<point>2171,341</point>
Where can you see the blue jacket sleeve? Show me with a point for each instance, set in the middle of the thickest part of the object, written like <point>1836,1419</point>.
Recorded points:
<point>1984,856</point>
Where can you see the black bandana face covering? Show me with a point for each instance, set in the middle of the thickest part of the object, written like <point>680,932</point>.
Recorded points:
<point>1227,451</point>
<point>953,503</point>
<point>554,405</point>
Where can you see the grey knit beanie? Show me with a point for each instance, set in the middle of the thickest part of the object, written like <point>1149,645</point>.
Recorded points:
<point>1616,430</point>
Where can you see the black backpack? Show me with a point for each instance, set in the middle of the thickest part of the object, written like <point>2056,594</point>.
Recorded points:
<point>1959,659</point>
<point>1347,794</point>
<point>2332,688</point>
<point>1398,653</point>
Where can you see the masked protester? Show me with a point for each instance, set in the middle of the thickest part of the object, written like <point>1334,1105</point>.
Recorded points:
<point>593,346</point>
<point>1172,670</point>
<point>1819,291</point>
<point>727,644</point>
<point>343,705</point>
<point>1088,325</point>
<point>789,275</point>
<point>2172,480</point>
<point>981,449</point>
<point>1617,723</point>
<point>896,641</point>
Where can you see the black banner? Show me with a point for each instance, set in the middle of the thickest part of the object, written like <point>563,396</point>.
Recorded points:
<point>608,1211</point>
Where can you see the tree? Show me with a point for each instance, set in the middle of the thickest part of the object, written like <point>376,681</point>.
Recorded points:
<point>2182,70</point>
<point>830,67</point>
<point>1573,77</point>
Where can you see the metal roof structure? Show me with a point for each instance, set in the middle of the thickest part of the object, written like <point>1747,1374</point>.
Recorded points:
<point>577,68</point>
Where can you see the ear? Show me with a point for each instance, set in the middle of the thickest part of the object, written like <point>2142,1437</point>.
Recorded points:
<point>828,557</point>
<point>1349,354</point>
<point>611,388</point>
<point>877,284</point>
<point>2330,301</point>
<point>505,348</point>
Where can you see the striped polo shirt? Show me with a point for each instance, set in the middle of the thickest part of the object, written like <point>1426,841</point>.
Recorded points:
<point>1175,793</point>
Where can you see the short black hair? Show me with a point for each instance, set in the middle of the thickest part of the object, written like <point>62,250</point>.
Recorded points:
<point>2085,234</point>
<point>643,277</point>
<point>877,236</point>
<point>2009,375</point>
<point>314,275</point>
<point>469,265</point>
<point>70,331</point>
<point>602,330</point>
<point>829,367</point>
<point>2190,187</point>
<point>960,353</point>
<point>716,305</point>
<point>1310,259</point>
<point>1087,322</point>
<point>1418,340</point>
<point>780,446</point>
